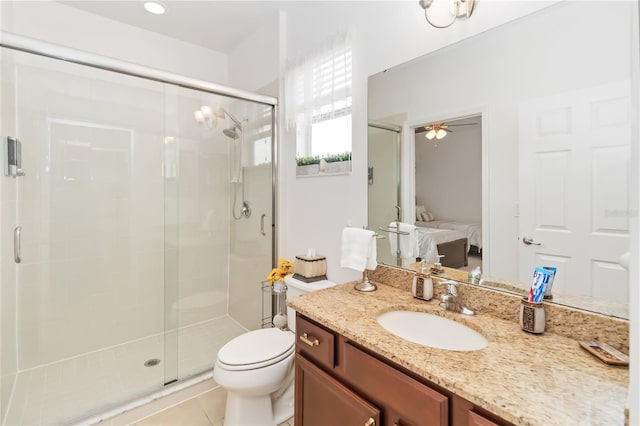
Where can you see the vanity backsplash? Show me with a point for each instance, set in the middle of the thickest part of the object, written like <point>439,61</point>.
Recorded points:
<point>562,320</point>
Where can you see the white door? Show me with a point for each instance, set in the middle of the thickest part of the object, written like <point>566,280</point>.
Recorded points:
<point>574,174</point>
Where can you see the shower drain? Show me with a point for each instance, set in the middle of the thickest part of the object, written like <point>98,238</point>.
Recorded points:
<point>151,362</point>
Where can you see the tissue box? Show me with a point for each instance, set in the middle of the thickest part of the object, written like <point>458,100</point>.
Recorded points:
<point>309,269</point>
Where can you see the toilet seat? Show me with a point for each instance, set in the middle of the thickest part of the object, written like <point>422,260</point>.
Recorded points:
<point>256,349</point>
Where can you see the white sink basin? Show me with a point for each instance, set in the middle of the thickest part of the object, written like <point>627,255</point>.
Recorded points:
<point>432,330</point>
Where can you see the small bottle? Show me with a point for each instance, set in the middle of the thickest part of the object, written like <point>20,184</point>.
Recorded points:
<point>423,266</point>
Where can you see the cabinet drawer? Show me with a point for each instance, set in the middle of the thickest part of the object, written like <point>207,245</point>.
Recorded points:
<point>315,342</point>
<point>407,400</point>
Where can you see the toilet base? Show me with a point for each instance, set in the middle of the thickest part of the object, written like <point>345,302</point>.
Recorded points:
<point>260,414</point>
<point>283,405</point>
<point>264,410</point>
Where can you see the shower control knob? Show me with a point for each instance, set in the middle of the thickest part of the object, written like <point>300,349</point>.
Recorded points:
<point>246,209</point>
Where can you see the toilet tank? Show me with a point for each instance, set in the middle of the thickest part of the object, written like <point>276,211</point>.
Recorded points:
<point>296,288</point>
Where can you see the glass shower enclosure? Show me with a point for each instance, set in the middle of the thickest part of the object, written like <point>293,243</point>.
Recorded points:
<point>384,168</point>
<point>134,239</point>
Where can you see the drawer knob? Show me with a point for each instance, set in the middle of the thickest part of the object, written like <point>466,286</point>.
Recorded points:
<point>370,422</point>
<point>309,340</point>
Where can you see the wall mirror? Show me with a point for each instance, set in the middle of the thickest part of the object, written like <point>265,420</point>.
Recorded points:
<point>533,167</point>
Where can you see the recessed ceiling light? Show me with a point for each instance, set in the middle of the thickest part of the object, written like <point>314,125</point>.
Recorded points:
<point>154,7</point>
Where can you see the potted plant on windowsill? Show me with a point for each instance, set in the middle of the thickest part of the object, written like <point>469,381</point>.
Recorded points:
<point>326,164</point>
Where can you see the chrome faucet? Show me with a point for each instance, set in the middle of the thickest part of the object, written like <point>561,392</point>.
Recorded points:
<point>452,301</point>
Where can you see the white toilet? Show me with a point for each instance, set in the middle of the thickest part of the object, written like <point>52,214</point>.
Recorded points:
<point>256,369</point>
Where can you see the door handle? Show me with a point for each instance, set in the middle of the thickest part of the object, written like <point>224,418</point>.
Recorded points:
<point>17,244</point>
<point>370,422</point>
<point>529,241</point>
<point>262,224</point>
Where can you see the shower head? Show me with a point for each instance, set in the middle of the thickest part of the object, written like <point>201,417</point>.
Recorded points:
<point>231,132</point>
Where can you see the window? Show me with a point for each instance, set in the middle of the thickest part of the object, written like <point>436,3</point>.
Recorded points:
<point>262,151</point>
<point>319,103</point>
<point>261,136</point>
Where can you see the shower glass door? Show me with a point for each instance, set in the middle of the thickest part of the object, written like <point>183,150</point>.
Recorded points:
<point>224,222</point>
<point>383,145</point>
<point>146,216</point>
<point>90,288</point>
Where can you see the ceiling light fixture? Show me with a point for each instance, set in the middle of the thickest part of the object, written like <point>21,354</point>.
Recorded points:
<point>456,8</point>
<point>436,131</point>
<point>154,7</point>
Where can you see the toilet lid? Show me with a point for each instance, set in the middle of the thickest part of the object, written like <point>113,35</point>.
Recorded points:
<point>256,347</point>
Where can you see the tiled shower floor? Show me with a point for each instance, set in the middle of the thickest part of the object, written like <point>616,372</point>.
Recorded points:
<point>75,388</point>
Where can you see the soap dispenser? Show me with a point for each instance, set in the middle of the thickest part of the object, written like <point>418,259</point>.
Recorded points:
<point>422,287</point>
<point>423,266</point>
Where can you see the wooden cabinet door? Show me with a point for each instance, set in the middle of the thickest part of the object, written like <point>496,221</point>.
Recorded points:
<point>323,401</point>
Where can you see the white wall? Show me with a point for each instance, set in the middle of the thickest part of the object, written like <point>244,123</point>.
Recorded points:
<point>449,174</point>
<point>56,23</point>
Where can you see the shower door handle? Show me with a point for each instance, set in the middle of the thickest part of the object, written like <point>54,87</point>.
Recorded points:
<point>16,244</point>
<point>262,224</point>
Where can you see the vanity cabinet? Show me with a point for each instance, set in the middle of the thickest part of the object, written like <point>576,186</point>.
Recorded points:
<point>340,383</point>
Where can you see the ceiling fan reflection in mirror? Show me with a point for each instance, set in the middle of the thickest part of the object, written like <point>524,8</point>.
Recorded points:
<point>439,130</point>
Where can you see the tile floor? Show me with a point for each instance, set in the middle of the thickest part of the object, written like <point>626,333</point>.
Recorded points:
<point>206,409</point>
<point>75,388</point>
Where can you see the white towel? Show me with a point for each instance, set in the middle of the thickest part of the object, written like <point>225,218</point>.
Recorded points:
<point>358,249</point>
<point>408,243</point>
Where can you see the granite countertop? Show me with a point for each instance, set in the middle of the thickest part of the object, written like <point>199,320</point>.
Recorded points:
<point>526,379</point>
